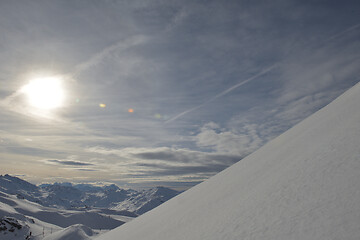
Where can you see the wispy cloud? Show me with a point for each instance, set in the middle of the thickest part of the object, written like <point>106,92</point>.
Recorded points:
<point>342,33</point>
<point>106,52</point>
<point>86,170</point>
<point>223,93</point>
<point>68,162</point>
<point>160,163</point>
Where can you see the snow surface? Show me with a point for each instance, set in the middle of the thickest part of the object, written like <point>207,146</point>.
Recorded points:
<point>305,184</point>
<point>74,232</point>
<point>9,207</point>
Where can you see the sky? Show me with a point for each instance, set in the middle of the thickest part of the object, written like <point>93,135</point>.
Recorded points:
<point>164,92</point>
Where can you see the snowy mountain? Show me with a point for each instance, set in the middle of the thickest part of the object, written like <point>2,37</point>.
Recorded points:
<point>146,200</point>
<point>19,187</point>
<point>85,196</point>
<point>16,185</point>
<point>69,211</point>
<point>305,184</point>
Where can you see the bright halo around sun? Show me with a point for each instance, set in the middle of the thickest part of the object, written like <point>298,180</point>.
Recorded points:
<point>45,93</point>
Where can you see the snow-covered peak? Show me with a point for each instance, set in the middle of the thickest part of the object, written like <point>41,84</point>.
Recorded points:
<point>146,200</point>
<point>11,183</point>
<point>87,187</point>
<point>164,191</point>
<point>111,187</point>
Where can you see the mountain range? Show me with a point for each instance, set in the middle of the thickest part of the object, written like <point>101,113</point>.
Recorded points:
<point>80,196</point>
<point>77,210</point>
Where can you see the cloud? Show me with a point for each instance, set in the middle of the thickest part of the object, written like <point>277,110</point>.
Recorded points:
<point>239,142</point>
<point>162,170</point>
<point>178,19</point>
<point>24,150</point>
<point>106,52</point>
<point>321,68</point>
<point>163,162</point>
<point>86,170</point>
<point>166,154</point>
<point>340,34</point>
<point>223,93</point>
<point>68,162</point>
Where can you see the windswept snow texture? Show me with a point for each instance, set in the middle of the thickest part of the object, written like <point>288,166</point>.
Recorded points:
<point>305,184</point>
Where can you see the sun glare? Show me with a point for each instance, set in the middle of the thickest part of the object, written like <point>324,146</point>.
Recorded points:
<point>45,93</point>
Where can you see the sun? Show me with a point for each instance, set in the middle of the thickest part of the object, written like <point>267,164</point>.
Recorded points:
<point>45,93</point>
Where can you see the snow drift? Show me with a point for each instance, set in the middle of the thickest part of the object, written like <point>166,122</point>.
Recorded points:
<point>305,184</point>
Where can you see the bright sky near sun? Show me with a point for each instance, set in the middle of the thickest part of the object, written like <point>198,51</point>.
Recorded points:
<point>144,93</point>
<point>45,93</point>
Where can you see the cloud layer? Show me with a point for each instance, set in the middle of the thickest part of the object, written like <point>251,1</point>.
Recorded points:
<point>208,83</point>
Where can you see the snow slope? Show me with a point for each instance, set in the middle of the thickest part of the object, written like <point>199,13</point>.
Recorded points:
<point>305,184</point>
<point>58,217</point>
<point>14,225</point>
<point>74,232</point>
